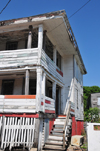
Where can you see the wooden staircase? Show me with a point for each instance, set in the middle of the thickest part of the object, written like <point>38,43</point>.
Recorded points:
<point>59,137</point>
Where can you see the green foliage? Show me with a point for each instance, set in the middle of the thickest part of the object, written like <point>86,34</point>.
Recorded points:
<point>87,91</point>
<point>92,115</point>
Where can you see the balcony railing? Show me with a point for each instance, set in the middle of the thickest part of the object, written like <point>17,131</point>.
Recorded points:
<point>25,104</point>
<point>50,66</point>
<point>17,58</point>
<point>27,57</point>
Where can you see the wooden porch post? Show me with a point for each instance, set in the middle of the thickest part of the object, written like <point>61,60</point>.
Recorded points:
<point>62,96</point>
<point>40,42</point>
<point>40,135</point>
<point>43,89</point>
<point>54,93</point>
<point>38,88</point>
<point>27,82</point>
<point>29,42</point>
<point>54,55</point>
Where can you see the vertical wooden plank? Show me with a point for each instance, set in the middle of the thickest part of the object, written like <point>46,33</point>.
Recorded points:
<point>22,129</point>
<point>3,131</point>
<point>29,42</point>
<point>38,89</point>
<point>32,134</point>
<point>15,123</point>
<point>12,132</point>
<point>25,131</point>
<point>40,135</point>
<point>27,82</point>
<point>7,130</point>
<point>28,132</point>
<point>17,132</point>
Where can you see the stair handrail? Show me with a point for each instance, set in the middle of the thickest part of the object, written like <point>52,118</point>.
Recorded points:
<point>66,122</point>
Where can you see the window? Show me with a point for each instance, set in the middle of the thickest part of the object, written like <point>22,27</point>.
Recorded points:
<point>7,87</point>
<point>81,99</point>
<point>77,97</point>
<point>11,45</point>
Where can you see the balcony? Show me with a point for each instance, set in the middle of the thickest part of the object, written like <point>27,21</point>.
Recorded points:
<point>12,59</point>
<point>25,104</point>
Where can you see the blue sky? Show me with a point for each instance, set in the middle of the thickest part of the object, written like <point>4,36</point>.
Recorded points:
<point>85,25</point>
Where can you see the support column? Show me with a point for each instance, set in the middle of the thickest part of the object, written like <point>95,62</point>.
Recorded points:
<point>27,82</point>
<point>54,55</point>
<point>38,88</point>
<point>43,89</point>
<point>44,40</point>
<point>40,135</point>
<point>54,93</point>
<point>40,42</point>
<point>62,99</point>
<point>29,42</point>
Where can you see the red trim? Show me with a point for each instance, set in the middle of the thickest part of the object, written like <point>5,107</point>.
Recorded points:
<point>61,115</point>
<point>72,110</point>
<point>51,123</point>
<point>19,96</point>
<point>21,115</point>
<point>48,102</point>
<point>60,72</point>
<point>49,111</point>
<point>41,103</point>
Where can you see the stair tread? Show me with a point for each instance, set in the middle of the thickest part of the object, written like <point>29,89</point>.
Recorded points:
<point>56,135</point>
<point>56,131</point>
<point>54,143</point>
<point>54,147</point>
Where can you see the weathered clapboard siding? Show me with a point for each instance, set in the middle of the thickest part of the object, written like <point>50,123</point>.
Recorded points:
<point>72,111</point>
<point>17,131</point>
<point>18,104</point>
<point>48,106</point>
<point>50,66</point>
<point>15,58</point>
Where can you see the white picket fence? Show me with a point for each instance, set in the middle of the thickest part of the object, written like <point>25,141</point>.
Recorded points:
<point>17,131</point>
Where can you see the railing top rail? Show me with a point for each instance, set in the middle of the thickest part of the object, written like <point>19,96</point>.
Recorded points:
<point>66,121</point>
<point>17,50</point>
<point>49,99</point>
<point>17,96</point>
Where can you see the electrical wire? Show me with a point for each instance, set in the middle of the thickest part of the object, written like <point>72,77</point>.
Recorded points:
<point>71,15</point>
<point>5,7</point>
<point>79,9</point>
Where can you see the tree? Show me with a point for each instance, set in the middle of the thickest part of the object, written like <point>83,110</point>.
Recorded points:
<point>92,115</point>
<point>86,93</point>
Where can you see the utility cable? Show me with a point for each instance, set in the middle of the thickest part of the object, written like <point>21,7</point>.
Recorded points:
<point>5,7</point>
<point>79,9</point>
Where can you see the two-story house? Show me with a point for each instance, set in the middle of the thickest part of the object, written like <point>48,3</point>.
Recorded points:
<point>41,82</point>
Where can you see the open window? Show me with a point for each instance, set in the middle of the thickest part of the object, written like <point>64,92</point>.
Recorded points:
<point>7,87</point>
<point>58,62</point>
<point>12,45</point>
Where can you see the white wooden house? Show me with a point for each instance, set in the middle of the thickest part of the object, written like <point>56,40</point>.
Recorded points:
<point>41,80</point>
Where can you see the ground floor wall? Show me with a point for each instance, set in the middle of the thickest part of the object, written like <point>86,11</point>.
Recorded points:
<point>77,127</point>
